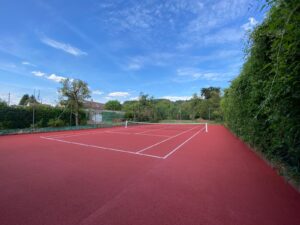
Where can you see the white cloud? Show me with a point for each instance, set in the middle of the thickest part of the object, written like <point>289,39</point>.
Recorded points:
<point>193,74</point>
<point>134,98</point>
<point>135,65</point>
<point>155,59</point>
<point>53,77</point>
<point>25,63</point>
<point>134,17</point>
<point>176,98</point>
<point>215,16</point>
<point>219,55</point>
<point>63,46</point>
<point>250,25</point>
<point>118,94</point>
<point>97,92</point>
<point>56,78</point>
<point>14,97</point>
<point>222,36</point>
<point>38,73</point>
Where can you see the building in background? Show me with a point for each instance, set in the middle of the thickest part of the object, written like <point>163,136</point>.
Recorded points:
<point>97,114</point>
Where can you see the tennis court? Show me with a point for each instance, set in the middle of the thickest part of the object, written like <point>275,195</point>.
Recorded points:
<point>140,174</point>
<point>143,139</point>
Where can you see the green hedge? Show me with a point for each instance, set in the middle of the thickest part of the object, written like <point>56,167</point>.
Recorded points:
<point>262,105</point>
<point>19,117</point>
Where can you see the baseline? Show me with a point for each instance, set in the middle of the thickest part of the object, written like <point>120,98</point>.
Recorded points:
<point>74,134</point>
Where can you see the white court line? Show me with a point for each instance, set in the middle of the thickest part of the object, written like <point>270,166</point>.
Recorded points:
<point>154,135</point>
<point>133,153</point>
<point>116,132</point>
<point>80,134</point>
<point>144,149</point>
<point>183,143</point>
<point>151,135</point>
<point>59,135</point>
<point>76,135</point>
<point>148,131</point>
<point>73,135</point>
<point>105,148</point>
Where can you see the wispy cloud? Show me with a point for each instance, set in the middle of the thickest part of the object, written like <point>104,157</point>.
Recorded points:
<point>252,22</point>
<point>118,94</point>
<point>217,14</point>
<point>135,17</point>
<point>146,15</point>
<point>226,35</point>
<point>97,92</point>
<point>217,55</point>
<point>153,59</point>
<point>214,24</point>
<point>63,46</point>
<point>26,63</point>
<point>193,74</point>
<point>38,73</point>
<point>176,98</point>
<point>6,66</point>
<point>135,63</point>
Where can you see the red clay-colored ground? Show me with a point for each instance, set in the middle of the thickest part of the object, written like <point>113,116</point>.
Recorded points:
<point>81,178</point>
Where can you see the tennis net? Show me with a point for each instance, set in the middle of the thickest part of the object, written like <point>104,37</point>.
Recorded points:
<point>166,126</point>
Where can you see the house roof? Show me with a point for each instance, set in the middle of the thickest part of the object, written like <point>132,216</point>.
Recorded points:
<point>93,105</point>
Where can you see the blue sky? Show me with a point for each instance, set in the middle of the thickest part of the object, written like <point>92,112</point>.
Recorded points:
<point>167,49</point>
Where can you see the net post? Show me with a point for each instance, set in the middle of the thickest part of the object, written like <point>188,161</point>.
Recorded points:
<point>206,128</point>
<point>126,123</point>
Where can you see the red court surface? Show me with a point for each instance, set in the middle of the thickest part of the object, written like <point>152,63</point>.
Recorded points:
<point>136,175</point>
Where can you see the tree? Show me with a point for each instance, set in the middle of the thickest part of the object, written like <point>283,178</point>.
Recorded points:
<point>210,91</point>
<point>131,109</point>
<point>113,105</point>
<point>3,103</point>
<point>24,99</point>
<point>194,106</point>
<point>32,100</point>
<point>73,93</point>
<point>262,104</point>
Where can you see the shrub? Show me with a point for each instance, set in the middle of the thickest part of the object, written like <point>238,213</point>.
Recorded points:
<point>56,123</point>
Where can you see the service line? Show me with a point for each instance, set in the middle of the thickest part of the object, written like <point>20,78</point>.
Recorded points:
<point>183,143</point>
<point>158,143</point>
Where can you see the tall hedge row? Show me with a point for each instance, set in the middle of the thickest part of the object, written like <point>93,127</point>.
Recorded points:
<point>14,117</point>
<point>262,105</point>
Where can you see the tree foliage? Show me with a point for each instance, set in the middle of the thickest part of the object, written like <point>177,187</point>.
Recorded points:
<point>2,103</point>
<point>26,99</point>
<point>113,105</point>
<point>262,103</point>
<point>18,117</point>
<point>147,108</point>
<point>73,93</point>
<point>209,92</point>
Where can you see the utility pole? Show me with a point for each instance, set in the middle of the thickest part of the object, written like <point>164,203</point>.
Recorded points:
<point>8,99</point>
<point>38,97</point>
<point>180,112</point>
<point>33,110</point>
<point>71,116</point>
